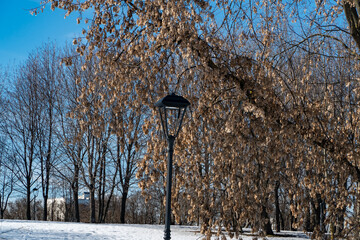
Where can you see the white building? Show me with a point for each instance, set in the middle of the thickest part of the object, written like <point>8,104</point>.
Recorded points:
<point>57,206</point>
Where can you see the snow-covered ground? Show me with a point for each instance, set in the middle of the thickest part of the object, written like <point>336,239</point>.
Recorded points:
<point>38,230</point>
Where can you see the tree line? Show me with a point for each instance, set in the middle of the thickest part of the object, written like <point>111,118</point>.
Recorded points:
<point>46,150</point>
<point>272,133</point>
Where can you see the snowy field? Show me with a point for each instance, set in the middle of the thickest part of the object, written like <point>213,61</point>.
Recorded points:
<point>37,230</point>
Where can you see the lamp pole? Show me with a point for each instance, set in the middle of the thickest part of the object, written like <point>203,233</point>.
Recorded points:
<point>170,140</point>
<point>172,109</point>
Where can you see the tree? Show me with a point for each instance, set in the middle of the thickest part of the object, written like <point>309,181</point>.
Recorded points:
<point>258,79</point>
<point>6,181</point>
<point>96,134</point>
<point>22,127</point>
<point>72,145</point>
<point>48,74</point>
<point>130,143</point>
<point>7,177</point>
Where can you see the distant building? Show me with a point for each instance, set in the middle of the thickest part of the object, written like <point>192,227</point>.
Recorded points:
<point>85,198</point>
<point>58,207</point>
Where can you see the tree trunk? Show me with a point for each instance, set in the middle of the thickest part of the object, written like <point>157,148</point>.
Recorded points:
<point>76,205</point>
<point>277,206</point>
<point>357,212</point>
<point>75,192</point>
<point>266,224</point>
<point>92,205</point>
<point>339,226</point>
<point>317,211</point>
<point>123,204</point>
<point>282,221</point>
<point>307,221</point>
<point>1,214</point>
<point>102,185</point>
<point>75,186</point>
<point>28,200</point>
<point>322,215</point>
<point>125,180</point>
<point>45,206</point>
<point>292,219</point>
<point>47,170</point>
<point>45,160</point>
<point>101,192</point>
<point>106,209</point>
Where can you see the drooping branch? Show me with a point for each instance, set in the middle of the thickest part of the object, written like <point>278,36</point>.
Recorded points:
<point>352,16</point>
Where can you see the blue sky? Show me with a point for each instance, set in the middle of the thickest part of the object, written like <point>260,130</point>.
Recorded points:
<point>21,32</point>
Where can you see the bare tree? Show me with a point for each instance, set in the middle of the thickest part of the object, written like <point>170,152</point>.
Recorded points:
<point>48,74</point>
<point>130,146</point>
<point>22,124</point>
<point>72,145</point>
<point>7,176</point>
<point>86,148</point>
<point>6,179</point>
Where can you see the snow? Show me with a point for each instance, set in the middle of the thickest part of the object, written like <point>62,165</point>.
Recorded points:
<point>39,230</point>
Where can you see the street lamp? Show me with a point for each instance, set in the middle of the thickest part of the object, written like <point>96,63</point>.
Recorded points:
<point>171,109</point>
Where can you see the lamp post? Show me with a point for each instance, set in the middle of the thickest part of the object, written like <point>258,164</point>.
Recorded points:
<point>35,191</point>
<point>171,109</point>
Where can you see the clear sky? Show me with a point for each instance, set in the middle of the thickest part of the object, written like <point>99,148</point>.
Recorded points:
<point>21,32</point>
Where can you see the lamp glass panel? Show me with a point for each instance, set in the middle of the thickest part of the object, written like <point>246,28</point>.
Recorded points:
<point>173,120</point>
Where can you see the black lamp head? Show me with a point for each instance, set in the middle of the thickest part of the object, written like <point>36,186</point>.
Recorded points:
<point>172,110</point>
<point>172,101</point>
